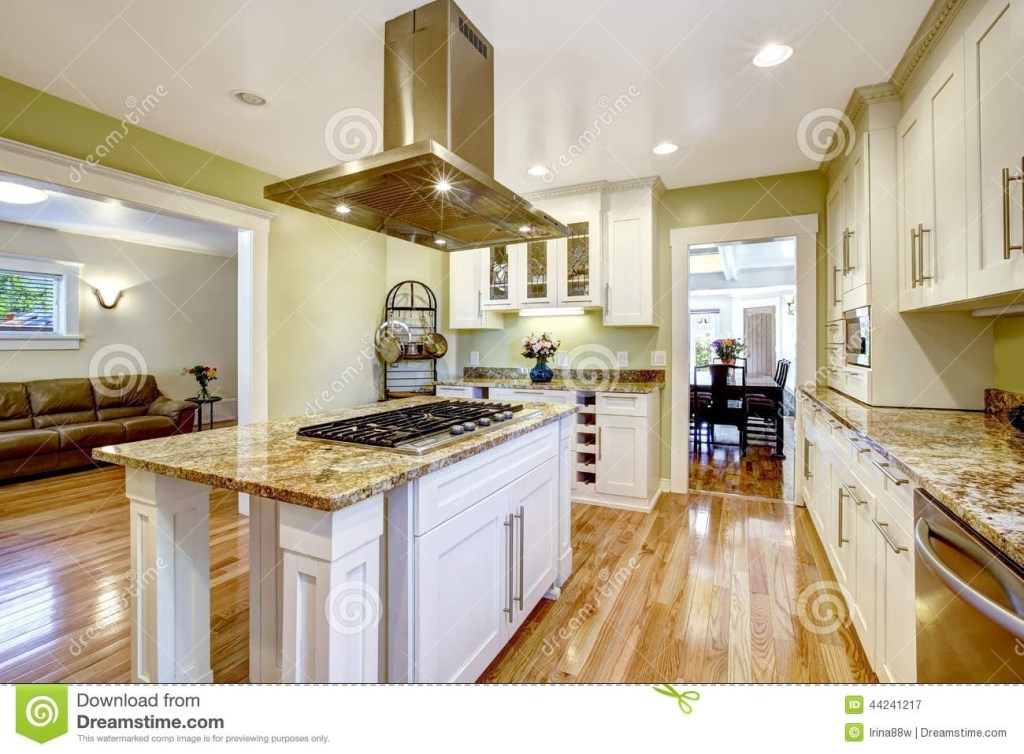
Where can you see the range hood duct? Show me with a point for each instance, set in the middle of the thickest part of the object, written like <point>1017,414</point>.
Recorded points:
<point>438,129</point>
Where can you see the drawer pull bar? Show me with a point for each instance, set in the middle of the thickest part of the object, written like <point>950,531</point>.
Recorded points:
<point>884,468</point>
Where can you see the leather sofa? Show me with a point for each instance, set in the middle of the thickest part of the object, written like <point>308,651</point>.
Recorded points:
<point>47,425</point>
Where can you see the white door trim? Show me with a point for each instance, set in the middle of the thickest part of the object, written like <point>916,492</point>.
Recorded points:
<point>805,229</point>
<point>253,227</point>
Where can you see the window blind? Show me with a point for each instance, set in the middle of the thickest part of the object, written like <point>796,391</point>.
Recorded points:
<point>28,302</point>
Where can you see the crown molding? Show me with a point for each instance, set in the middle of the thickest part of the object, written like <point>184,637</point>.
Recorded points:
<point>652,183</point>
<point>931,30</point>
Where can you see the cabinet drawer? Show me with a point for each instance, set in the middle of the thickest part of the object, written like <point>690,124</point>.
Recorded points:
<point>459,391</point>
<point>529,394</point>
<point>452,490</point>
<point>621,404</point>
<point>857,384</point>
<point>834,333</point>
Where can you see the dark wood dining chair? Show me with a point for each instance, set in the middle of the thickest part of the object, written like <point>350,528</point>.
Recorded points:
<point>729,399</point>
<point>701,429</point>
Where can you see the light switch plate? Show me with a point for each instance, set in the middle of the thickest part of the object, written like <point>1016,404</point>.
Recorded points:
<point>474,358</point>
<point>623,358</point>
<point>561,360</point>
<point>657,358</point>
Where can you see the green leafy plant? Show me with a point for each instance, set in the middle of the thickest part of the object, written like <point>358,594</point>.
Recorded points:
<point>702,352</point>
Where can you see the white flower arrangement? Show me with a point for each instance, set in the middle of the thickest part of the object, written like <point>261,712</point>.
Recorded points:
<point>540,346</point>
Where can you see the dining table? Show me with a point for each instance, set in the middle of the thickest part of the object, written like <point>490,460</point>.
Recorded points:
<point>762,385</point>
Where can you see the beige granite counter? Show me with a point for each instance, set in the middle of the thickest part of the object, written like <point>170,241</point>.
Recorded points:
<point>972,463</point>
<point>520,383</point>
<point>268,460</point>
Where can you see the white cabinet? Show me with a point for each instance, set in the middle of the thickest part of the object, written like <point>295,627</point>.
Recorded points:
<point>630,258</point>
<point>897,627</point>
<point>533,505</point>
<point>836,235</point>
<point>578,260</point>
<point>931,156</point>
<point>995,148</point>
<point>499,279</point>
<point>847,233</point>
<point>537,274</point>
<point>622,455</point>
<point>459,391</point>
<point>864,537</point>
<point>465,279</point>
<point>531,394</point>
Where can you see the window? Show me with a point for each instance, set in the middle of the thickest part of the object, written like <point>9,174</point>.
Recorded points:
<point>38,304</point>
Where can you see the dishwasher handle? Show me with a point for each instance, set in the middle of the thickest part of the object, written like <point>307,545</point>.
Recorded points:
<point>1009,621</point>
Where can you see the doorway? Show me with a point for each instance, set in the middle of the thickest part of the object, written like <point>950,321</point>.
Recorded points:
<point>730,273</point>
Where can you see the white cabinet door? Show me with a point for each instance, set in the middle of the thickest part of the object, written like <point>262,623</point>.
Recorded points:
<point>465,299</point>
<point>499,279</point>
<point>567,397</point>
<point>995,147</point>
<point>821,512</point>
<point>622,455</point>
<point>915,190</point>
<point>897,636</point>
<point>836,214</point>
<point>578,261</point>
<point>533,504</point>
<point>629,283</point>
<point>855,195</point>
<point>943,252</point>
<point>841,534</point>
<point>862,587</point>
<point>463,594</point>
<point>536,272</point>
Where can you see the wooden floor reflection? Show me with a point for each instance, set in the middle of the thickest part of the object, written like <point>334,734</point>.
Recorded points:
<point>722,468</point>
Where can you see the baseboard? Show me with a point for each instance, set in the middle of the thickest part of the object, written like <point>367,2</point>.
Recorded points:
<point>623,503</point>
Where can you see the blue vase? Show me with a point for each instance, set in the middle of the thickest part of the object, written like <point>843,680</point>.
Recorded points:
<point>542,372</point>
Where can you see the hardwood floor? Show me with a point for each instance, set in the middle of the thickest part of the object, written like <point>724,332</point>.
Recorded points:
<point>722,468</point>
<point>703,589</point>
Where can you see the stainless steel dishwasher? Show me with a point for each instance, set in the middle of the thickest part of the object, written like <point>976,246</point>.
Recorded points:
<point>970,603</point>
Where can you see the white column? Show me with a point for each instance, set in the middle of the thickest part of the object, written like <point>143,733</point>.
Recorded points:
<point>566,464</point>
<point>333,599</point>
<point>170,575</point>
<point>265,584</point>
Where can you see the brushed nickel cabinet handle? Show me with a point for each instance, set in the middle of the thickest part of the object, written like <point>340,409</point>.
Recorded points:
<point>850,494</point>
<point>913,258</point>
<point>835,287</point>
<point>849,264</point>
<point>884,468</point>
<point>607,298</point>
<point>883,529</point>
<point>599,443</point>
<point>846,250</point>
<point>807,452</point>
<point>521,517</point>
<point>842,540</point>
<point>480,305</point>
<point>921,277</point>
<point>1007,248</point>
<point>508,567</point>
<point>856,445</point>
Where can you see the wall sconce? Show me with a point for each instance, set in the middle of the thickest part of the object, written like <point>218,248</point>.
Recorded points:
<point>790,299</point>
<point>108,296</point>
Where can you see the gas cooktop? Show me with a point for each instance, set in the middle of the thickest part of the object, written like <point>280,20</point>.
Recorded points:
<point>418,429</point>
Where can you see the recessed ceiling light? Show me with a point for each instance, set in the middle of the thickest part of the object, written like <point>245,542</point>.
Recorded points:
<point>342,209</point>
<point>443,185</point>
<point>525,228</point>
<point>440,241</point>
<point>538,170</point>
<point>665,147</point>
<point>772,55</point>
<point>248,98</point>
<point>15,193</point>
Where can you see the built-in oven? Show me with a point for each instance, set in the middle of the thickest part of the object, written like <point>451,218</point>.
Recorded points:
<point>858,336</point>
<point>970,602</point>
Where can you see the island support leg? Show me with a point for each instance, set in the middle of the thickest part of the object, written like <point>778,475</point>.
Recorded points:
<point>169,580</point>
<point>333,598</point>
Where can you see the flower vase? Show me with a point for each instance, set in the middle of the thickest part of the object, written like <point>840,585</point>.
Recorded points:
<point>730,362</point>
<point>541,372</point>
<point>204,394</point>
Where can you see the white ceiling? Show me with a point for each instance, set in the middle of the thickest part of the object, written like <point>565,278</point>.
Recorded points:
<point>555,63</point>
<point>89,215</point>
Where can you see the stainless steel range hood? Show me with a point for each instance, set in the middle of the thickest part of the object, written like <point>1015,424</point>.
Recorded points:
<point>438,132</point>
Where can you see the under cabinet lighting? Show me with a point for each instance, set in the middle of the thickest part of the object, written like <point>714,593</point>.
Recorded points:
<point>16,193</point>
<point>554,311</point>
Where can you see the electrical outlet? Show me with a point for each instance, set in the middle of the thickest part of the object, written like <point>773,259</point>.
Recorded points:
<point>561,360</point>
<point>474,358</point>
<point>623,358</point>
<point>657,358</point>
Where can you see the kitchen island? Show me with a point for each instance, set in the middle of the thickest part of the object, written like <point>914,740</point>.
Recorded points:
<point>362,559</point>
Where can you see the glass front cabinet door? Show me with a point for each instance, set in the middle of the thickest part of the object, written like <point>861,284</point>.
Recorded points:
<point>578,264</point>
<point>537,274</point>
<point>501,277</point>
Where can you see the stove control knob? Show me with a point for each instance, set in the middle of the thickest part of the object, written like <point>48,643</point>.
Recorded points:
<point>499,417</point>
<point>457,430</point>
<point>469,426</point>
<point>508,415</point>
<point>484,422</point>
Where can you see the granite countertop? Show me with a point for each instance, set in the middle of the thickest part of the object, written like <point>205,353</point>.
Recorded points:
<point>970,462</point>
<point>267,459</point>
<point>524,383</point>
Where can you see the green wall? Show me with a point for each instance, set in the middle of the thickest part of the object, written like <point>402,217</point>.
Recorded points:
<point>714,204</point>
<point>326,278</point>
<point>1009,354</point>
